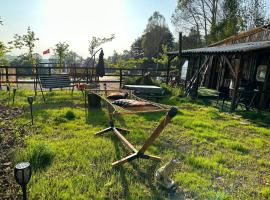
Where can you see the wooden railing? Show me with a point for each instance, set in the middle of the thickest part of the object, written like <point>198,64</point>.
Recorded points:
<point>28,74</point>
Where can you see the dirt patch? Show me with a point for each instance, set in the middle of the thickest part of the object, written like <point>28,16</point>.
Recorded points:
<point>8,143</point>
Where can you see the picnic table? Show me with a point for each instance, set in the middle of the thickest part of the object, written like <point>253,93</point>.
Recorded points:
<point>147,91</point>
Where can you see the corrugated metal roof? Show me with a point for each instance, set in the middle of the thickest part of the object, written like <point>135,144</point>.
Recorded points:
<point>227,49</point>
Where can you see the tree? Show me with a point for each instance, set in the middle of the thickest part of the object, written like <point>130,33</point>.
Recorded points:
<point>1,21</point>
<point>163,57</point>
<point>201,14</point>
<point>23,61</point>
<point>192,40</point>
<point>254,13</point>
<point>155,35</point>
<point>3,50</point>
<point>61,50</point>
<point>136,49</point>
<point>231,21</point>
<point>28,40</point>
<point>96,42</point>
<point>73,58</point>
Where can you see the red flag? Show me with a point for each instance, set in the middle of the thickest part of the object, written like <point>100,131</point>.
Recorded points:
<point>46,51</point>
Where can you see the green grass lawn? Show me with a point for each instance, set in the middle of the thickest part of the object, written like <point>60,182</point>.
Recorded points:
<point>223,156</point>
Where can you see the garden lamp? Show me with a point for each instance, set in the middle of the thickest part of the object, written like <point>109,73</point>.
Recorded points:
<point>22,174</point>
<point>30,101</point>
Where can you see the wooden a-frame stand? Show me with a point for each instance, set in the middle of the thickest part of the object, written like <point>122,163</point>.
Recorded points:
<point>137,153</point>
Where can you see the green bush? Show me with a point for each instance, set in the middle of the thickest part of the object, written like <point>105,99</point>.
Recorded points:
<point>60,119</point>
<point>70,115</point>
<point>266,192</point>
<point>40,156</point>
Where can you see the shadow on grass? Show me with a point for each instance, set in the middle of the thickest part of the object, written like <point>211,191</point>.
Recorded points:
<point>258,117</point>
<point>97,117</point>
<point>124,182</point>
<point>154,116</point>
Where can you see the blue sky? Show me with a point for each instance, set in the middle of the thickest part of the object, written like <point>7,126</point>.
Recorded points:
<point>76,21</point>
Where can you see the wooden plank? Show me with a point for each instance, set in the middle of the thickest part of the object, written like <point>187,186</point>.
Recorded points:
<point>265,87</point>
<point>168,70</point>
<point>239,70</point>
<point>124,140</point>
<point>124,160</point>
<point>230,65</point>
<point>159,129</point>
<point>155,158</point>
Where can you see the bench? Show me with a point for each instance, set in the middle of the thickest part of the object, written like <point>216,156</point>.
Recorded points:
<point>55,81</point>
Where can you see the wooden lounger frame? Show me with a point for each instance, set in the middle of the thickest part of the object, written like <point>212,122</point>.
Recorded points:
<point>121,110</point>
<point>141,152</point>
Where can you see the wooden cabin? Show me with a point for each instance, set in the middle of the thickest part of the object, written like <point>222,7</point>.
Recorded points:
<point>240,63</point>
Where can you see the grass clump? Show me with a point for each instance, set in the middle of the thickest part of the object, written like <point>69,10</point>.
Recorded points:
<point>40,156</point>
<point>266,192</point>
<point>234,145</point>
<point>210,144</point>
<point>60,119</point>
<point>202,163</point>
<point>70,115</point>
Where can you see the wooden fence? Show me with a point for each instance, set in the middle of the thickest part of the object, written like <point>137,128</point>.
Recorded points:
<point>28,74</point>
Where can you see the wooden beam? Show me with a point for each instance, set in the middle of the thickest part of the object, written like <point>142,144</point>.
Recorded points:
<point>124,140</point>
<point>168,70</point>
<point>239,36</point>
<point>239,69</point>
<point>159,129</point>
<point>265,86</point>
<point>197,72</point>
<point>155,158</point>
<point>230,65</point>
<point>124,160</point>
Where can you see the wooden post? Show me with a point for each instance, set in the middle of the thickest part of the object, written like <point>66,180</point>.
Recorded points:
<point>87,75</point>
<point>168,70</point>
<point>159,129</point>
<point>94,101</point>
<point>7,75</point>
<point>265,87</point>
<point>194,89</point>
<point>121,79</point>
<point>238,71</point>
<point>0,78</point>
<point>179,54</point>
<point>50,73</point>
<point>36,78</point>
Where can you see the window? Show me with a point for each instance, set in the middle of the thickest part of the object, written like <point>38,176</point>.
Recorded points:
<point>261,72</point>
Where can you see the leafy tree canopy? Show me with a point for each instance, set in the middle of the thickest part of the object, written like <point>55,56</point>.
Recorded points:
<point>155,35</point>
<point>28,40</point>
<point>61,49</point>
<point>96,42</point>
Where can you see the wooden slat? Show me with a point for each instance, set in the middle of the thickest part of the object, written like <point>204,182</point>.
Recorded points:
<point>55,81</point>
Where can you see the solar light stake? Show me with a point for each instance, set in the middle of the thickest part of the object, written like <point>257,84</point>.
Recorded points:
<point>30,101</point>
<point>22,174</point>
